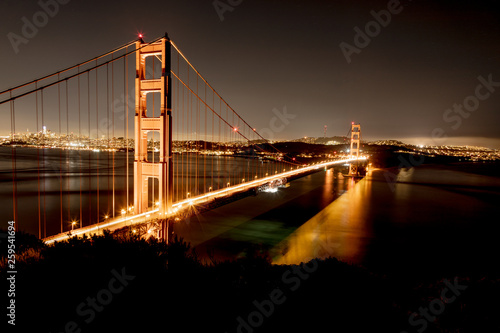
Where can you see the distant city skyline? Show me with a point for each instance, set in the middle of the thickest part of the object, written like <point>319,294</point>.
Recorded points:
<point>491,143</point>
<point>72,139</point>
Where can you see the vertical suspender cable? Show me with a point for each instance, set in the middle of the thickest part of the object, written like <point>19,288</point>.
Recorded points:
<point>97,135</point>
<point>97,138</point>
<point>220,141</point>
<point>113,131</point>
<point>197,123</point>
<point>60,155</point>
<point>45,175</point>
<point>126,130</point>
<point>189,120</point>
<point>89,151</point>
<point>153,144</point>
<point>205,147</point>
<point>176,157</point>
<point>184,143</point>
<point>14,164</point>
<point>107,133</point>
<point>67,154</point>
<point>213,140</point>
<point>79,148</point>
<point>38,169</point>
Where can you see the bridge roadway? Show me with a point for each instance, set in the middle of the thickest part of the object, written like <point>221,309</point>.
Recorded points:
<point>130,220</point>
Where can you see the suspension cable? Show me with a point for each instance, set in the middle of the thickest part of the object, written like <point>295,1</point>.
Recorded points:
<point>69,68</point>
<point>77,74</point>
<point>222,99</point>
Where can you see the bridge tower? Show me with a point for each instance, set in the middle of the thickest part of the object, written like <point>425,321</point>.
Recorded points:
<point>355,146</point>
<point>144,169</point>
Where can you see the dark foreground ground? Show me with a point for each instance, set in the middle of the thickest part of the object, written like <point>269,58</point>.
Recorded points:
<point>106,284</point>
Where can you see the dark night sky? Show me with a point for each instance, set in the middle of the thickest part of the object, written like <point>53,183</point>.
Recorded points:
<point>275,54</point>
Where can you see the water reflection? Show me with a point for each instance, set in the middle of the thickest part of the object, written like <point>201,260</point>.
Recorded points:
<point>419,219</point>
<point>340,230</point>
<point>56,187</point>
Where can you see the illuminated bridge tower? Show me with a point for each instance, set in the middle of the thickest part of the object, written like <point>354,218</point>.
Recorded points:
<point>146,89</point>
<point>355,146</point>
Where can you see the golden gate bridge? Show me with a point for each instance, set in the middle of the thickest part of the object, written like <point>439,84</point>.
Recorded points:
<point>179,151</point>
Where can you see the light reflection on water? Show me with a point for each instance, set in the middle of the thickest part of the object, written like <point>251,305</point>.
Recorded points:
<point>431,217</point>
<point>338,230</point>
<point>261,221</point>
<point>56,187</point>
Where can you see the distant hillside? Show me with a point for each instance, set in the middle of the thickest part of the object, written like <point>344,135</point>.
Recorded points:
<point>296,148</point>
<point>333,140</point>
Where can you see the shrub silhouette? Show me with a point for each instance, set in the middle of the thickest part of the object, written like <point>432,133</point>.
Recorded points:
<point>172,290</point>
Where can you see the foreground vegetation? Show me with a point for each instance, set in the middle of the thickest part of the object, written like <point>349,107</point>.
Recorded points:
<point>105,283</point>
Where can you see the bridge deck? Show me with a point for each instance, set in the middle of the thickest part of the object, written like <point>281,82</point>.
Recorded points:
<point>129,220</point>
